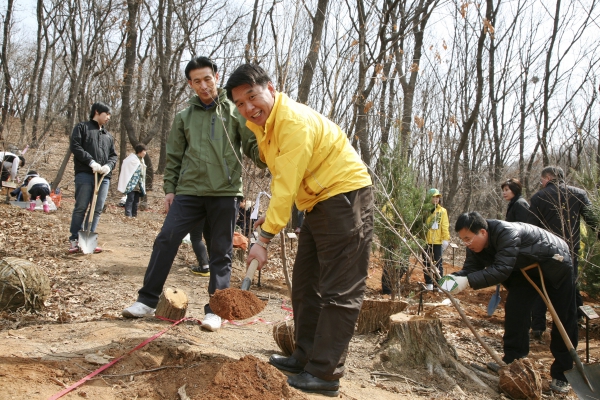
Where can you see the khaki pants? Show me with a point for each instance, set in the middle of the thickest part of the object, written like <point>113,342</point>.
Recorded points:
<point>329,280</point>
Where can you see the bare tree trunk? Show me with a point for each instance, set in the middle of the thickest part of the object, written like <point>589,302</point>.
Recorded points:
<point>31,98</point>
<point>470,122</point>
<point>497,140</point>
<point>5,70</point>
<point>127,128</point>
<point>308,70</point>
<point>250,50</point>
<point>545,108</point>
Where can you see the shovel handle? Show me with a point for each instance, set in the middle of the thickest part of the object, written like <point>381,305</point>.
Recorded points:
<point>250,274</point>
<point>557,321</point>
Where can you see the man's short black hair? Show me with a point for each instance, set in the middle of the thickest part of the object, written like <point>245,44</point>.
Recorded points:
<point>139,148</point>
<point>100,107</point>
<point>246,74</point>
<point>553,173</point>
<point>197,63</point>
<point>473,221</point>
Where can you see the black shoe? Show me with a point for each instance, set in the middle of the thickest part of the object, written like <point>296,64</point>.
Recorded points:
<point>198,270</point>
<point>311,384</point>
<point>289,364</point>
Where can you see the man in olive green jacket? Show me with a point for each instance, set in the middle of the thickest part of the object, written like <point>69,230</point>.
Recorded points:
<point>202,184</point>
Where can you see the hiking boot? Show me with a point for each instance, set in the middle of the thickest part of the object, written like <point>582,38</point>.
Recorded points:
<point>202,271</point>
<point>74,248</point>
<point>46,208</point>
<point>138,310</point>
<point>311,384</point>
<point>289,364</point>
<point>559,386</point>
<point>211,322</point>
<point>537,335</point>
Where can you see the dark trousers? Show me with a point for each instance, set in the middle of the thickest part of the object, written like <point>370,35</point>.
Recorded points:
<point>40,190</point>
<point>198,244</point>
<point>131,204</point>
<point>519,303</point>
<point>185,214</point>
<point>329,280</point>
<point>538,313</point>
<point>433,252</point>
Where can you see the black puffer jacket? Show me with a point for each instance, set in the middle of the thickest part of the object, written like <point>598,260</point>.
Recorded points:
<point>518,210</point>
<point>90,142</point>
<point>512,246</point>
<point>558,208</point>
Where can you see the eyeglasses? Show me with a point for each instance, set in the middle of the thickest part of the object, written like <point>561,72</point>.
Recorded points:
<point>468,242</point>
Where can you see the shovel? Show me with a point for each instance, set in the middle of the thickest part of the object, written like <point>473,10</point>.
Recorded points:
<point>88,241</point>
<point>494,301</point>
<point>249,275</point>
<point>581,376</point>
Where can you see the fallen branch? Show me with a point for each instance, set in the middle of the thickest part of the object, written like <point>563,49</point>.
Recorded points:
<point>57,381</point>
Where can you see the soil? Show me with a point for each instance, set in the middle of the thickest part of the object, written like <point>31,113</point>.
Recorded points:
<point>81,326</point>
<point>236,304</point>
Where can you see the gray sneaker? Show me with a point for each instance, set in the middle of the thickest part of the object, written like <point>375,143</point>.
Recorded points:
<point>138,310</point>
<point>559,386</point>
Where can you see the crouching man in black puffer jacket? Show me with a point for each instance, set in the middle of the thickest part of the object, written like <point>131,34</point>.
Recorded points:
<point>496,252</point>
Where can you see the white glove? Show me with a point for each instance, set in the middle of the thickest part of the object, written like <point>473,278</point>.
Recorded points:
<point>445,244</point>
<point>95,167</point>
<point>105,169</point>
<point>454,284</point>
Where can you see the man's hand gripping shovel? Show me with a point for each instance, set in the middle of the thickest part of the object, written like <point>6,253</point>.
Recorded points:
<point>88,241</point>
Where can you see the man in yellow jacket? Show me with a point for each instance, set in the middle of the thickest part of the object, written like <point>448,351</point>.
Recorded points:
<point>313,163</point>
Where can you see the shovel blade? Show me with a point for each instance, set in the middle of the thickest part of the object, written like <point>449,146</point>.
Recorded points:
<point>494,301</point>
<point>88,241</point>
<point>580,386</point>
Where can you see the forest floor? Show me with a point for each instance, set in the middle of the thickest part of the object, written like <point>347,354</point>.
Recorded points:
<point>43,353</point>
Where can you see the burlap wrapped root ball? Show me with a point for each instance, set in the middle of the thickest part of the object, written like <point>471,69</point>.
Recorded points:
<point>520,381</point>
<point>22,285</point>
<point>283,333</point>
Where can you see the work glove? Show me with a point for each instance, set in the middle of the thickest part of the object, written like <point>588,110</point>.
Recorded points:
<point>445,244</point>
<point>95,167</point>
<point>105,169</point>
<point>454,284</point>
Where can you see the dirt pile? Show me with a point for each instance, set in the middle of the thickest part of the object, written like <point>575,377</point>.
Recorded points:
<point>236,304</point>
<point>250,378</point>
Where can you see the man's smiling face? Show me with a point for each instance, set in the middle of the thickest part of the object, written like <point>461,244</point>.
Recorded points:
<point>254,102</point>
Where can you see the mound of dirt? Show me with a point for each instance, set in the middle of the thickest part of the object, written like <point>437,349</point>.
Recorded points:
<point>236,304</point>
<point>250,378</point>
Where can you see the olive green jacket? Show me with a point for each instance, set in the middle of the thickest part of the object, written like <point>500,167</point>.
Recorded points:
<point>204,150</point>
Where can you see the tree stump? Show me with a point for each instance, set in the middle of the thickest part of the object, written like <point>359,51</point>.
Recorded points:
<point>172,304</point>
<point>421,340</point>
<point>417,342</point>
<point>22,284</point>
<point>375,314</point>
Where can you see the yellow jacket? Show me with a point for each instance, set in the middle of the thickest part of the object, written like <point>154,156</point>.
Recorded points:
<point>309,157</point>
<point>439,216</point>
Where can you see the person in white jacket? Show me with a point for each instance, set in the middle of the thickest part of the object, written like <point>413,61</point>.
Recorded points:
<point>132,179</point>
<point>37,187</point>
<point>10,165</point>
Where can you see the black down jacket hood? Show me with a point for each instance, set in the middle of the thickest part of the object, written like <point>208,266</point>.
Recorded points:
<point>512,246</point>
